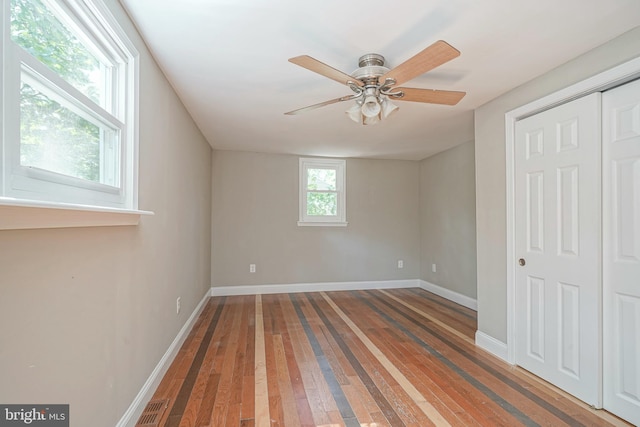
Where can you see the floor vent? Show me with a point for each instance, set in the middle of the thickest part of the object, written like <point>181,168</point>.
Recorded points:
<point>152,413</point>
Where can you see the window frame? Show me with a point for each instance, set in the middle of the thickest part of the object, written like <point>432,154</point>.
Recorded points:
<point>340,166</point>
<point>95,24</point>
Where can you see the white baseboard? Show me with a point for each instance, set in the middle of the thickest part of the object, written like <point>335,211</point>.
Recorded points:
<point>312,287</point>
<point>492,345</point>
<point>450,295</point>
<point>132,414</point>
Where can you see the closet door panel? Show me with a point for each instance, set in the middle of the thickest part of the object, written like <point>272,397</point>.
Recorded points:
<point>621,250</point>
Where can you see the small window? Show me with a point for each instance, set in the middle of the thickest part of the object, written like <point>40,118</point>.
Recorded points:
<point>70,76</point>
<point>322,192</point>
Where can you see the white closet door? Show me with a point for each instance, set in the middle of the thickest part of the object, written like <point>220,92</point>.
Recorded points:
<point>557,238</point>
<point>621,250</point>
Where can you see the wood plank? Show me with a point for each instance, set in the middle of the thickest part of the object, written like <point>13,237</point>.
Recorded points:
<point>440,381</point>
<point>262,417</point>
<point>183,360</point>
<point>182,399</point>
<point>229,367</point>
<point>430,317</point>
<point>195,412</point>
<point>361,358</point>
<point>302,408</point>
<point>406,385</point>
<point>453,400</point>
<point>495,406</point>
<point>276,412</point>
<point>248,373</point>
<point>289,404</point>
<point>321,399</point>
<point>509,399</point>
<point>384,404</point>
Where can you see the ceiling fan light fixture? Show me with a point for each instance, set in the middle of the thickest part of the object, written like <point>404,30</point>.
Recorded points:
<point>355,113</point>
<point>388,107</point>
<point>371,120</point>
<point>370,107</point>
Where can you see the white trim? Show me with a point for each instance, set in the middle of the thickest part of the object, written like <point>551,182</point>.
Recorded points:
<point>450,295</point>
<point>94,24</point>
<point>131,415</point>
<point>491,345</point>
<point>602,81</point>
<point>340,167</point>
<point>312,287</point>
<point>322,224</point>
<point>18,214</point>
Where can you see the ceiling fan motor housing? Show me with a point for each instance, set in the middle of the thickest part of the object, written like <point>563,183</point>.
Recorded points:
<point>370,59</point>
<point>371,66</point>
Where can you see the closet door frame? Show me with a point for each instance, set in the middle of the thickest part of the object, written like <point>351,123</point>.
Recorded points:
<point>613,77</point>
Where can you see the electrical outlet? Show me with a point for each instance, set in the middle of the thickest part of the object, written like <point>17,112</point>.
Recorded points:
<point>252,268</point>
<point>178,305</point>
<point>400,263</point>
<point>433,268</point>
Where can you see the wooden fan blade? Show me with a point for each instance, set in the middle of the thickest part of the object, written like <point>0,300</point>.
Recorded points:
<point>433,56</point>
<point>431,96</point>
<point>323,69</point>
<point>322,104</point>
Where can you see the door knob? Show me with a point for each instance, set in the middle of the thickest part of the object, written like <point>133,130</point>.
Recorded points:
<point>522,262</point>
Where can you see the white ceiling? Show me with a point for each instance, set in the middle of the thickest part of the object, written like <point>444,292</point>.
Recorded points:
<point>227,59</point>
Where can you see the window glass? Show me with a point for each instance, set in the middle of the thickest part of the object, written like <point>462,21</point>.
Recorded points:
<point>321,179</point>
<point>54,138</point>
<point>37,29</point>
<point>325,204</point>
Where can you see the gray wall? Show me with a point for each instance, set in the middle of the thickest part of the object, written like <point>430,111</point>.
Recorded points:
<point>491,172</point>
<point>255,221</point>
<point>447,219</point>
<point>87,313</point>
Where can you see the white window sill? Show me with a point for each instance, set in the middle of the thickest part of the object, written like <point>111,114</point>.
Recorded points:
<point>322,224</point>
<point>17,214</point>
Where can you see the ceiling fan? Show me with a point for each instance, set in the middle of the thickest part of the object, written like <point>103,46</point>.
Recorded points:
<point>375,85</point>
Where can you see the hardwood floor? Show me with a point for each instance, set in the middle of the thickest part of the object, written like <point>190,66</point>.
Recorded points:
<point>402,357</point>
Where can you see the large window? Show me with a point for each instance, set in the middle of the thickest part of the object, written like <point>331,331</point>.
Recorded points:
<point>322,192</point>
<point>69,111</point>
